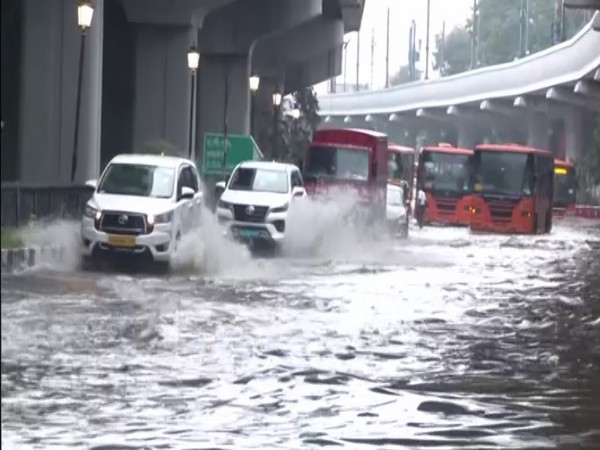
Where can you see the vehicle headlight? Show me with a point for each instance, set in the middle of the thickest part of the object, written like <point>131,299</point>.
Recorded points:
<point>223,204</point>
<point>91,212</point>
<point>161,218</point>
<point>279,209</point>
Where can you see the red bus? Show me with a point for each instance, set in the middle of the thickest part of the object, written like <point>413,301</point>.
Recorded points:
<point>512,189</point>
<point>565,188</point>
<point>401,161</point>
<point>442,173</point>
<point>350,158</point>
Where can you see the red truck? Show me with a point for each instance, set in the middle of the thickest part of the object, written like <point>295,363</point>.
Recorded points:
<point>351,158</point>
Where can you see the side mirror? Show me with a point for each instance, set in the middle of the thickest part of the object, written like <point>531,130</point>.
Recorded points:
<point>92,184</point>
<point>219,189</point>
<point>298,192</point>
<point>187,193</point>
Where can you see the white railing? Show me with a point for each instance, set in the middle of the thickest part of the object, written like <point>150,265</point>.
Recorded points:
<point>563,63</point>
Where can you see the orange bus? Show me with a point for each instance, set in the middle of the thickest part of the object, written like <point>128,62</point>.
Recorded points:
<point>565,188</point>
<point>442,173</point>
<point>401,161</point>
<point>512,189</point>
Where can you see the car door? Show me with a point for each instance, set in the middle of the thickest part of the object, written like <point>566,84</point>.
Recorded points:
<point>296,181</point>
<point>184,206</point>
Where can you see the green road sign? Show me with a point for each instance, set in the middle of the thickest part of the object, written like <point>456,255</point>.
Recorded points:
<point>239,148</point>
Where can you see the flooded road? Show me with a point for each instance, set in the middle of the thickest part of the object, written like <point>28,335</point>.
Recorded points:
<point>444,341</point>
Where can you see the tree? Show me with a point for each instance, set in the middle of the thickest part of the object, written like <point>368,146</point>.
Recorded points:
<point>295,127</point>
<point>499,34</point>
<point>403,76</point>
<point>456,52</point>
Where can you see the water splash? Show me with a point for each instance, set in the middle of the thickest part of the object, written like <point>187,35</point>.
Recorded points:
<point>318,227</point>
<point>62,235</point>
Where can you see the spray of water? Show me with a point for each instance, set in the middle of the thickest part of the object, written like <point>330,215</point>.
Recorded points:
<point>60,239</point>
<point>208,250</point>
<point>325,228</point>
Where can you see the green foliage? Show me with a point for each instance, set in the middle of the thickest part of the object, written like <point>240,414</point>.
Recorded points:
<point>457,52</point>
<point>499,30</point>
<point>295,133</point>
<point>10,238</point>
<point>403,76</point>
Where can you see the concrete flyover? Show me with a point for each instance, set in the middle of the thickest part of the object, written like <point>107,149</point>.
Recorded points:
<point>560,85</point>
<point>136,86</point>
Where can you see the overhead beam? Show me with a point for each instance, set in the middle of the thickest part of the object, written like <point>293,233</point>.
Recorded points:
<point>597,75</point>
<point>496,107</point>
<point>582,4</point>
<point>564,95</point>
<point>589,88</point>
<point>348,119</point>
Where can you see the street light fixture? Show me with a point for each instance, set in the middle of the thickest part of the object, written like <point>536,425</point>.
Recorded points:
<point>276,107</point>
<point>254,83</point>
<point>193,58</point>
<point>85,13</point>
<point>276,98</point>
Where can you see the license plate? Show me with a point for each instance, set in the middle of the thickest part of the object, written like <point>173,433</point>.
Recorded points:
<point>248,232</point>
<point>121,241</point>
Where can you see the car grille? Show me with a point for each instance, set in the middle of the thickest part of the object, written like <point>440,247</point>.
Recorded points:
<point>446,205</point>
<point>501,212</point>
<point>242,214</point>
<point>135,224</point>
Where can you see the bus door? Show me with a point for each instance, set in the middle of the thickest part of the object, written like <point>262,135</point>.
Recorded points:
<point>543,185</point>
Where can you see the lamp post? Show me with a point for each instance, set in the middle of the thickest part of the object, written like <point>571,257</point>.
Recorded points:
<point>193,58</point>
<point>85,12</point>
<point>254,83</point>
<point>276,105</point>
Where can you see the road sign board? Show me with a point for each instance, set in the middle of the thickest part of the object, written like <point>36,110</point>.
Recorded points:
<point>239,148</point>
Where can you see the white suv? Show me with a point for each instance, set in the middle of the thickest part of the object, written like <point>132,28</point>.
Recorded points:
<point>256,200</point>
<point>142,204</point>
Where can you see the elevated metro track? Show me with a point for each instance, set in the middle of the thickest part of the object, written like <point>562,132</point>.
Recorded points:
<point>568,72</point>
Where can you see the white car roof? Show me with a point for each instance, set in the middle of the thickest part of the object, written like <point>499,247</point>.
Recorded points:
<point>151,160</point>
<point>268,165</point>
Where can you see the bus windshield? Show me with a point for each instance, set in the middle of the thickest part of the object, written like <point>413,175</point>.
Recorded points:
<point>564,187</point>
<point>503,173</point>
<point>338,162</point>
<point>444,172</point>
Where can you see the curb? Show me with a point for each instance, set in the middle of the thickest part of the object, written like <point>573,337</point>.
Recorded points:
<point>15,259</point>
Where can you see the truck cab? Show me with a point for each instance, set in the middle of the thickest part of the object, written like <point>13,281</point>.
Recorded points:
<point>353,159</point>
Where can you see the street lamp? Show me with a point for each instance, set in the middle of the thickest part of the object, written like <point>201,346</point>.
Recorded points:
<point>276,104</point>
<point>193,58</point>
<point>85,13</point>
<point>254,83</point>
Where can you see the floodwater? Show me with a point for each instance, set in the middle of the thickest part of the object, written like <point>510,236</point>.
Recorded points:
<point>442,341</point>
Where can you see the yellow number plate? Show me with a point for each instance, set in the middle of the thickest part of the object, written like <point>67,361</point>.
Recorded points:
<point>121,241</point>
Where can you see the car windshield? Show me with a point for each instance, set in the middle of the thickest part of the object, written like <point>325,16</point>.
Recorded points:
<point>260,180</point>
<point>564,187</point>
<point>503,173</point>
<point>395,197</point>
<point>339,163</point>
<point>138,179</point>
<point>445,172</point>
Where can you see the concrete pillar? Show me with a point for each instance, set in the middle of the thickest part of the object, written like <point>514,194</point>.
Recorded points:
<point>574,135</point>
<point>90,125</point>
<point>537,130</point>
<point>466,135</point>
<point>51,39</point>
<point>214,71</point>
<point>162,86</point>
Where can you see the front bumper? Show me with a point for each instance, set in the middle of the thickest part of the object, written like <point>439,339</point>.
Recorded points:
<point>271,230</point>
<point>159,244</point>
